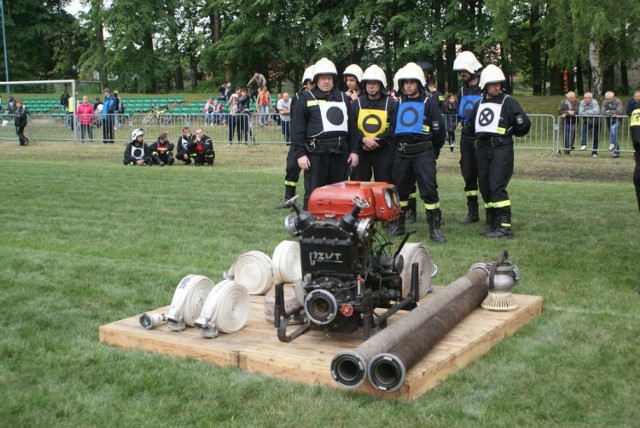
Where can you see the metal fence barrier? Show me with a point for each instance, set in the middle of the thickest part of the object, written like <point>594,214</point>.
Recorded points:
<point>548,133</point>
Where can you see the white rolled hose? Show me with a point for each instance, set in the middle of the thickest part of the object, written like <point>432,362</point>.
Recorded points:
<point>187,301</point>
<point>286,262</point>
<point>254,270</point>
<point>416,253</point>
<point>226,309</point>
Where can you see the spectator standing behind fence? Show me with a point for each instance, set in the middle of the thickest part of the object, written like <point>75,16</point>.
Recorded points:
<point>568,110</point>
<point>108,111</point>
<point>85,114</point>
<point>20,121</point>
<point>116,111</point>
<point>633,111</point>
<point>589,107</point>
<point>97,113</point>
<point>64,102</point>
<point>244,126</point>
<point>263,103</point>
<point>71,111</point>
<point>208,111</point>
<point>450,110</point>
<point>233,117</point>
<point>284,108</point>
<point>612,109</point>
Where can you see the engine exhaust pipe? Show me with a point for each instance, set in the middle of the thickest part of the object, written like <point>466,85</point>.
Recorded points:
<point>347,366</point>
<point>387,371</point>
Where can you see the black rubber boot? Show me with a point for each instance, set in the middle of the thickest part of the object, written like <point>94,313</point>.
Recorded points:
<point>472,211</point>
<point>491,221</point>
<point>289,192</point>
<point>503,229</point>
<point>434,218</point>
<point>396,227</point>
<point>411,211</point>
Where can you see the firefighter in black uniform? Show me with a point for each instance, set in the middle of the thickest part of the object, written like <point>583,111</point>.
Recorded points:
<point>292,171</point>
<point>370,116</point>
<point>352,76</point>
<point>201,149</point>
<point>633,111</point>
<point>320,131</point>
<point>162,151</point>
<point>469,68</point>
<point>183,143</point>
<point>496,117</point>
<point>418,135</point>
<point>137,152</point>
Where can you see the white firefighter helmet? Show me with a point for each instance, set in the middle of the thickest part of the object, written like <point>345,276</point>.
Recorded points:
<point>136,133</point>
<point>467,61</point>
<point>308,74</point>
<point>375,73</point>
<point>353,70</point>
<point>324,66</point>
<point>411,71</point>
<point>491,74</point>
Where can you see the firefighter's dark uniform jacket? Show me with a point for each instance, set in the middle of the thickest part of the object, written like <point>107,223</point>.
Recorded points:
<point>468,97</point>
<point>494,122</point>
<point>164,150</point>
<point>318,129</point>
<point>201,152</point>
<point>371,118</point>
<point>412,135</point>
<point>136,151</point>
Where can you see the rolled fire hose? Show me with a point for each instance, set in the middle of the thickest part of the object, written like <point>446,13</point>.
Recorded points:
<point>291,304</point>
<point>416,253</point>
<point>286,262</point>
<point>387,371</point>
<point>254,270</point>
<point>226,309</point>
<point>349,367</point>
<point>187,301</point>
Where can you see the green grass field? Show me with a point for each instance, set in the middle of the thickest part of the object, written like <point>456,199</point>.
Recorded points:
<point>85,241</point>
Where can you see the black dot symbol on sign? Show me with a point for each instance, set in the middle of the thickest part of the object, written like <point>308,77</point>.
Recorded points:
<point>467,109</point>
<point>137,153</point>
<point>371,123</point>
<point>409,117</point>
<point>486,117</point>
<point>335,116</point>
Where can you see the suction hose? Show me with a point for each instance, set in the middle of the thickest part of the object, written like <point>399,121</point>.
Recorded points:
<point>187,301</point>
<point>226,309</point>
<point>387,371</point>
<point>349,368</point>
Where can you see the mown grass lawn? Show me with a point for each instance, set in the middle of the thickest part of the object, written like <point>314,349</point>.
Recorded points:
<point>85,241</point>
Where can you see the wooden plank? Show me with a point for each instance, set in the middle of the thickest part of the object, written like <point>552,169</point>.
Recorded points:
<point>307,359</point>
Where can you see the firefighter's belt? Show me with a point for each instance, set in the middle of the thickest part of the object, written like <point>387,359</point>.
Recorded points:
<point>493,141</point>
<point>415,147</point>
<point>327,143</point>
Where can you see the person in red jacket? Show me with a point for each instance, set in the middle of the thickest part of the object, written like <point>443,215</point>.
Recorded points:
<point>85,114</point>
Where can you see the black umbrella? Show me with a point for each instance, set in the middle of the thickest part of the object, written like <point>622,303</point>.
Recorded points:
<point>425,65</point>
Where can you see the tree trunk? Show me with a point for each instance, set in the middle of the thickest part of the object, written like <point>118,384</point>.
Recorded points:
<point>624,77</point>
<point>579,80</point>
<point>536,64</point>
<point>596,66</point>
<point>453,76</point>
<point>556,87</point>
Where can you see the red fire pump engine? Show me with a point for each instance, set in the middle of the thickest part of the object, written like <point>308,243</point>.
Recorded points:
<point>348,269</point>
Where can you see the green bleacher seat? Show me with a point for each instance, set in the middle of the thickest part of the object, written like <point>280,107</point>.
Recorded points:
<point>180,100</point>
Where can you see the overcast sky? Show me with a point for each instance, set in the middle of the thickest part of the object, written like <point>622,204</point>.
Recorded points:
<point>74,7</point>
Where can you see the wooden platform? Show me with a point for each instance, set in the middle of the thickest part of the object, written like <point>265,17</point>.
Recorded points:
<point>308,358</point>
